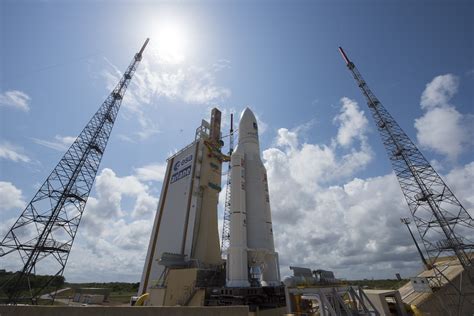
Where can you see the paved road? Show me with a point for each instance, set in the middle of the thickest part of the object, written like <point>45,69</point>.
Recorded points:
<point>49,296</point>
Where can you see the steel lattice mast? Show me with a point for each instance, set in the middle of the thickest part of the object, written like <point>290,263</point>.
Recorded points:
<point>444,225</point>
<point>46,229</point>
<point>225,239</point>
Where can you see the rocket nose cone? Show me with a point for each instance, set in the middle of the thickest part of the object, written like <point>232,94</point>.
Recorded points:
<point>248,128</point>
<point>248,120</point>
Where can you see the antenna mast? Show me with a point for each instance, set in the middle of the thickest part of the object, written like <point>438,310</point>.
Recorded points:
<point>443,223</point>
<point>44,233</point>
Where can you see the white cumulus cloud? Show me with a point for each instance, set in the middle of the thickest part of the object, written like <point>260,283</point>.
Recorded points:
<point>15,99</point>
<point>121,245</point>
<point>10,196</point>
<point>353,122</point>
<point>151,172</point>
<point>115,230</point>
<point>443,128</point>
<point>315,164</point>
<point>324,217</point>
<point>287,138</point>
<point>112,189</point>
<point>439,91</point>
<point>461,182</point>
<point>352,227</point>
<point>13,153</point>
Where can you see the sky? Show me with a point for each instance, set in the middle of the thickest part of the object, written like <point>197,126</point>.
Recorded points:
<point>336,204</point>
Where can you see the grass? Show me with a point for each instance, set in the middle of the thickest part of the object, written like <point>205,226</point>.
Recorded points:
<point>123,298</point>
<point>388,284</point>
<point>48,302</point>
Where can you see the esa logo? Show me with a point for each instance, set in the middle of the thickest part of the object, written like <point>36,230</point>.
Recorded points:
<point>182,162</point>
<point>181,174</point>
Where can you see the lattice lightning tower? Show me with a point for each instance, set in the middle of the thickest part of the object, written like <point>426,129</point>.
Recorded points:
<point>444,225</point>
<point>45,230</point>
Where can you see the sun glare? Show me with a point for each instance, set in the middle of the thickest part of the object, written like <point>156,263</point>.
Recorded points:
<point>171,41</point>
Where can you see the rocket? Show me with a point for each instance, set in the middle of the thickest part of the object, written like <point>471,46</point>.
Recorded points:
<point>252,260</point>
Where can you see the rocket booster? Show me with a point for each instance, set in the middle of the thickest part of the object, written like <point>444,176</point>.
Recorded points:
<point>252,259</point>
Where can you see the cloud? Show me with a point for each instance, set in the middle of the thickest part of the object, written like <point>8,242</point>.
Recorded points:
<point>439,91</point>
<point>155,79</point>
<point>442,128</point>
<point>123,245</point>
<point>199,87</point>
<point>112,189</point>
<point>10,196</point>
<point>151,172</point>
<point>353,122</point>
<point>115,230</point>
<point>60,143</point>
<point>15,99</point>
<point>324,217</point>
<point>318,207</point>
<point>11,200</point>
<point>13,153</point>
<point>352,227</point>
<point>460,180</point>
<point>287,138</point>
<point>445,131</point>
<point>354,224</point>
<point>145,205</point>
<point>221,64</point>
<point>316,164</point>
<point>192,84</point>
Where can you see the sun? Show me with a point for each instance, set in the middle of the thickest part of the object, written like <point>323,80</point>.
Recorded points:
<point>171,40</point>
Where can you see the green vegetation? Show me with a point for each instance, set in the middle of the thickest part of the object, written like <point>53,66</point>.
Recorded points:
<point>120,299</point>
<point>387,284</point>
<point>48,302</point>
<point>120,292</point>
<point>116,288</point>
<point>9,279</point>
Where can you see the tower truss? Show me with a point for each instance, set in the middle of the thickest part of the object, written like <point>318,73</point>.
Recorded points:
<point>444,225</point>
<point>44,233</point>
<point>225,239</point>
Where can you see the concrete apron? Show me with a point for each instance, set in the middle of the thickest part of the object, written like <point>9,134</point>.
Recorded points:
<point>122,311</point>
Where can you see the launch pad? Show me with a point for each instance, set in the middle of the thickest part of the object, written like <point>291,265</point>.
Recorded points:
<point>192,286</point>
<point>264,297</point>
<point>183,264</point>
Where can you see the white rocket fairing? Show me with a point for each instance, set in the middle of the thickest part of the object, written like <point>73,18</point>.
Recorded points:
<point>251,254</point>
